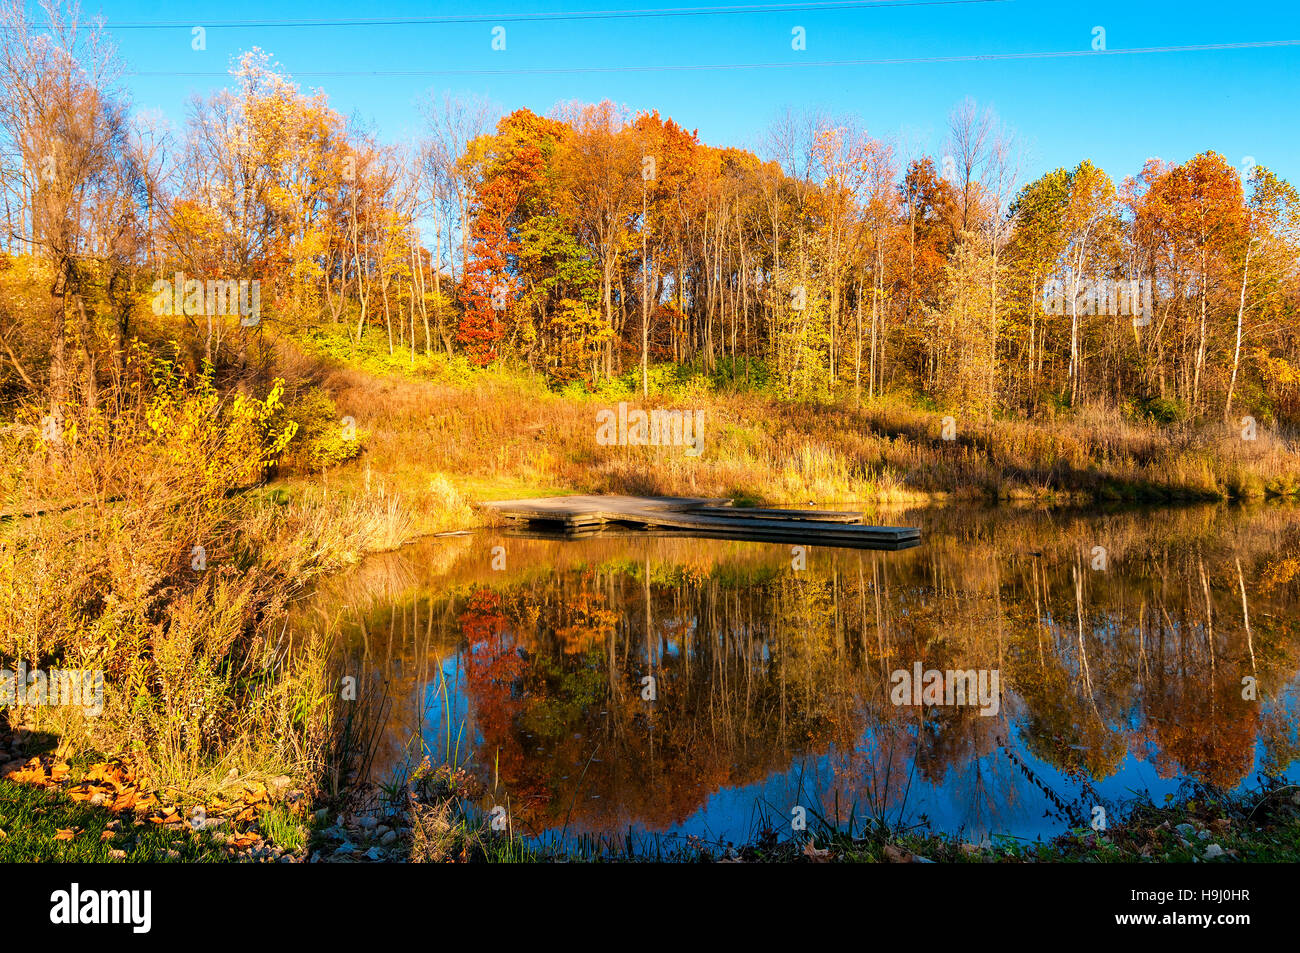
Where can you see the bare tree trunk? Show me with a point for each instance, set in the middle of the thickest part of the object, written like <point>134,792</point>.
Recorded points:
<point>1200,342</point>
<point>417,269</point>
<point>58,344</point>
<point>645,305</point>
<point>1236,353</point>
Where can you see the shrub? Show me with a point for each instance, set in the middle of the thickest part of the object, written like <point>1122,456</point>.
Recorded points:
<point>322,439</point>
<point>143,567</point>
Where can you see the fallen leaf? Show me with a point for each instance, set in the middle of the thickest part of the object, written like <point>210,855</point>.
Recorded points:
<point>30,773</point>
<point>66,834</point>
<point>107,774</point>
<point>815,855</point>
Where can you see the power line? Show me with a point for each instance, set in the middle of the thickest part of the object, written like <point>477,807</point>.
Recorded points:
<point>812,6</point>
<point>795,64</point>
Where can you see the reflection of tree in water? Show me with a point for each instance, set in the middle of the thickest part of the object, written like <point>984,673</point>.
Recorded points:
<point>757,666</point>
<point>737,689</point>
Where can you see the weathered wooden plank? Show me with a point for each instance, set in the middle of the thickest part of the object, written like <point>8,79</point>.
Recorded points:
<point>711,518</point>
<point>807,537</point>
<point>802,528</point>
<point>588,510</point>
<point>753,512</point>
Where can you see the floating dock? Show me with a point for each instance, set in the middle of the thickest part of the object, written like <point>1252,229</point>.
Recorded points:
<point>710,518</point>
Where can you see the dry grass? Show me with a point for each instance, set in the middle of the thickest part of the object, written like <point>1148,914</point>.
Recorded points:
<point>157,575</point>
<point>496,438</point>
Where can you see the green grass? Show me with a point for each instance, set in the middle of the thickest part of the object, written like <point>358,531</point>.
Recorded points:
<point>31,818</point>
<point>281,827</point>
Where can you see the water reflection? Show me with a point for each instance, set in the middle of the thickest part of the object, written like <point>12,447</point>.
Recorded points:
<point>662,684</point>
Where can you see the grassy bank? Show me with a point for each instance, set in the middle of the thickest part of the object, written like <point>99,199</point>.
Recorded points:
<point>99,811</point>
<point>492,434</point>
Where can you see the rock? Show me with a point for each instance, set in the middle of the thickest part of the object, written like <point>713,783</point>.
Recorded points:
<point>388,838</point>
<point>1213,851</point>
<point>918,859</point>
<point>374,853</point>
<point>381,830</point>
<point>322,814</point>
<point>367,823</point>
<point>344,848</point>
<point>1186,830</point>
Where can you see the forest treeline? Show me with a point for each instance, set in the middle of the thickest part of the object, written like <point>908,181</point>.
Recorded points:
<point>592,243</point>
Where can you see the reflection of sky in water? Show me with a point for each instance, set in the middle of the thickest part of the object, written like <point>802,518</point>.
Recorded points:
<point>733,814</point>
<point>445,703</point>
<point>1007,804</point>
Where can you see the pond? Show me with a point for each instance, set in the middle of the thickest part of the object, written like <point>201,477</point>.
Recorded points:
<point>662,687</point>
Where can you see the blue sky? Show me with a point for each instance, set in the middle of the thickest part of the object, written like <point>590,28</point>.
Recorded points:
<point>1117,110</point>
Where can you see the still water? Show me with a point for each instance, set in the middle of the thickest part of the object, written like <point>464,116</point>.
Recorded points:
<point>665,687</point>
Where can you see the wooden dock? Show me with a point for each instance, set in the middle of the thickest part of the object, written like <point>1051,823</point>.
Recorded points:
<point>708,518</point>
